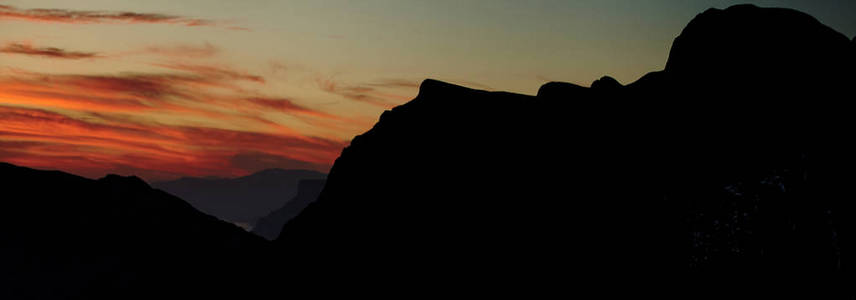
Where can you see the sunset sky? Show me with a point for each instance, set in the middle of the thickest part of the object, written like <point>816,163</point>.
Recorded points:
<point>170,88</point>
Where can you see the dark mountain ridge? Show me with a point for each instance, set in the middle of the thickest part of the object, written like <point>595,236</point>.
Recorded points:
<point>729,163</point>
<point>65,236</point>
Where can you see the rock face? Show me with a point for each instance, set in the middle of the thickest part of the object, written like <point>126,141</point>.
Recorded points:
<point>730,162</point>
<point>65,236</point>
<point>307,192</point>
<point>242,199</point>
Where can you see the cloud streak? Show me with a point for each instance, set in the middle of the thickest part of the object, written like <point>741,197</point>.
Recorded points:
<point>97,123</point>
<point>50,52</point>
<point>368,93</point>
<point>96,17</point>
<point>42,138</point>
<point>176,51</point>
<point>188,51</point>
<point>214,72</point>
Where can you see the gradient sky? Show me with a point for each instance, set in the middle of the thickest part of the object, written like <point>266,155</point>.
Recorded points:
<point>169,88</point>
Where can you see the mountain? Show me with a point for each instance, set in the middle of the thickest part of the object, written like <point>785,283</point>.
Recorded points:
<point>269,226</point>
<point>731,164</point>
<point>242,199</point>
<point>731,168</point>
<point>65,236</point>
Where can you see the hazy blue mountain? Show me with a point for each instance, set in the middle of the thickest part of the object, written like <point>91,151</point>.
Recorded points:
<point>242,199</point>
<point>269,226</point>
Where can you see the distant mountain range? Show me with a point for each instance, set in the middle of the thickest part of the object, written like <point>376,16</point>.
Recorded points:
<point>307,192</point>
<point>729,172</point>
<point>240,200</point>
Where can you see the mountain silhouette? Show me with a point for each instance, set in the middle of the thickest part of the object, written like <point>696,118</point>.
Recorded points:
<point>243,199</point>
<point>65,236</point>
<point>730,168</point>
<point>729,164</point>
<point>269,226</point>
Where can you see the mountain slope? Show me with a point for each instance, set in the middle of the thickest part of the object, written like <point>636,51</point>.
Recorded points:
<point>68,236</point>
<point>242,199</point>
<point>269,226</point>
<point>728,163</point>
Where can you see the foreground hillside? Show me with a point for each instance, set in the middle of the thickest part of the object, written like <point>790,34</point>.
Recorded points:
<point>65,236</point>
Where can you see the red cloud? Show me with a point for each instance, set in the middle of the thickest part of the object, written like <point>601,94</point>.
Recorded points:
<point>158,125</point>
<point>25,49</point>
<point>90,17</point>
<point>112,93</point>
<point>170,93</point>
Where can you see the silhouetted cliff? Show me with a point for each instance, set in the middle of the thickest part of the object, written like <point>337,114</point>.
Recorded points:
<point>269,226</point>
<point>243,199</point>
<point>730,164</point>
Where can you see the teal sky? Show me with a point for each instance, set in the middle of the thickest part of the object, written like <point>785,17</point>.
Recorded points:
<point>314,71</point>
<point>505,44</point>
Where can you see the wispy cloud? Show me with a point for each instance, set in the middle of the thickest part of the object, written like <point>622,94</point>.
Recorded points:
<point>209,92</point>
<point>213,71</point>
<point>371,93</point>
<point>94,17</point>
<point>51,52</point>
<point>169,51</point>
<point>395,83</point>
<point>189,51</point>
<point>207,95</point>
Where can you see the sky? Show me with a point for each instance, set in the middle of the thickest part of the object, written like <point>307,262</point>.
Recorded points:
<point>170,88</point>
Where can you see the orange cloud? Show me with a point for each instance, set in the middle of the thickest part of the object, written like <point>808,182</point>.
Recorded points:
<point>91,17</point>
<point>160,125</point>
<point>51,52</point>
<point>127,92</point>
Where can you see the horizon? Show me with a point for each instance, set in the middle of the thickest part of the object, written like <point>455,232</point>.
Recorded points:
<point>170,89</point>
